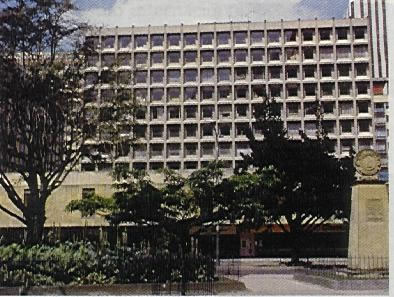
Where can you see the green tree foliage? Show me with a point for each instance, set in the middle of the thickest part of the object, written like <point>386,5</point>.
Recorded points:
<point>309,184</point>
<point>41,107</point>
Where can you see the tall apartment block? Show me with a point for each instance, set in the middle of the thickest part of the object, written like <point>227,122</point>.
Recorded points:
<point>375,12</point>
<point>199,85</point>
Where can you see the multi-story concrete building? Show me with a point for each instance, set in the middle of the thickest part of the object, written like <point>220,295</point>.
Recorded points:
<point>375,12</point>
<point>199,85</point>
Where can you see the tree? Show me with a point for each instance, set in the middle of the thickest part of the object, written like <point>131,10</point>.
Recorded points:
<point>40,102</point>
<point>309,185</point>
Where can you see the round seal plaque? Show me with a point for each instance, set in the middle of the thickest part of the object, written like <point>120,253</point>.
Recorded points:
<point>367,163</point>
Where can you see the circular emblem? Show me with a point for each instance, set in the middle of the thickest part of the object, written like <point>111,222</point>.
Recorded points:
<point>367,162</point>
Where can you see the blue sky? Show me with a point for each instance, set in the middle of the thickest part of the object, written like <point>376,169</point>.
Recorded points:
<point>173,12</point>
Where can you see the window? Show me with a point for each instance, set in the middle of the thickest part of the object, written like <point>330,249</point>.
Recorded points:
<point>363,107</point>
<point>224,149</point>
<point>156,150</point>
<point>90,95</point>
<point>207,150</point>
<point>140,59</point>
<point>191,165</point>
<point>257,37</point>
<point>108,60</point>
<point>224,130</point>
<point>344,89</point>
<point>141,77</point>
<point>242,149</point>
<point>328,107</point>
<point>173,76</point>
<point>361,51</point>
<point>190,131</point>
<point>190,112</point>
<point>92,60</point>
<point>206,38</point>
<point>344,70</point>
<point>342,33</point>
<point>108,42</point>
<point>124,77</point>
<point>275,72</point>
<point>157,76</point>
<point>124,59</point>
<point>156,131</point>
<point>173,39</point>
<point>273,36</point>
<point>224,74</point>
<point>346,108</point>
<point>173,58</point>
<point>291,35</point>
<point>364,144</point>
<point>346,126</point>
<point>92,42</point>
<point>139,131</point>
<point>326,71</point>
<point>240,38</point>
<point>207,75</point>
<point>325,34</point>
<point>292,90</point>
<point>206,130</point>
<point>190,57</point>
<point>173,112</point>
<point>258,92</point>
<point>107,95</point>
<point>326,53</point>
<point>308,53</point>
<point>241,92</point>
<point>293,128</point>
<point>225,112</point>
<point>140,151</point>
<point>242,111</point>
<point>240,56</point>
<point>107,77</point>
<point>190,39</point>
<point>291,72</point>
<point>329,127</point>
<point>207,112</point>
<point>309,90</point>
<point>124,41</point>
<point>207,93</point>
<point>190,94</point>
<point>381,146</point>
<point>359,32</point>
<point>223,38</point>
<point>190,149</point>
<point>292,54</point>
<point>310,108</point>
<point>309,71</point>
<point>308,35</point>
<point>206,57</point>
<point>157,113</point>
<point>380,132</point>
<point>241,129</point>
<point>190,75</point>
<point>275,91</point>
<point>224,56</point>
<point>156,94</point>
<point>173,94</point>
<point>224,93</point>
<point>140,41</point>
<point>241,73</point>
<point>173,131</point>
<point>364,126</point>
<point>141,94</point>
<point>140,113</point>
<point>274,55</point>
<point>257,73</point>
<point>91,79</point>
<point>346,145</point>
<point>257,55</point>
<point>343,52</point>
<point>310,128</point>
<point>327,90</point>
<point>157,40</point>
<point>362,88</point>
<point>293,109</point>
<point>361,69</point>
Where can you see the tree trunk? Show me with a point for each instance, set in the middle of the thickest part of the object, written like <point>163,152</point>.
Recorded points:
<point>35,220</point>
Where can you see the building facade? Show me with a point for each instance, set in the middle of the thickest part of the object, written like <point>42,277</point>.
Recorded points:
<point>199,84</point>
<point>375,12</point>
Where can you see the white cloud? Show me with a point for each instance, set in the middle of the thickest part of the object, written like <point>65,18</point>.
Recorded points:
<point>125,13</point>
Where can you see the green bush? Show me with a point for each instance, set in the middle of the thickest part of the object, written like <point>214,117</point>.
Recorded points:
<point>83,263</point>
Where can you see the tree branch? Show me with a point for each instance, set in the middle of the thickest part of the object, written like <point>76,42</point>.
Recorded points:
<point>11,214</point>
